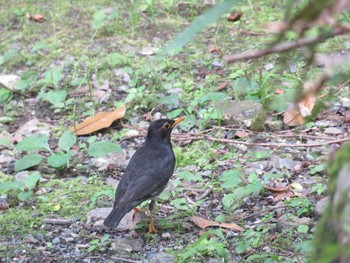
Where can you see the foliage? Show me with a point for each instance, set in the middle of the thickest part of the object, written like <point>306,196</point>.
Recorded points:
<point>26,189</point>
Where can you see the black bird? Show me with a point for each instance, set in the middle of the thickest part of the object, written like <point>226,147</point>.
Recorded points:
<point>147,173</point>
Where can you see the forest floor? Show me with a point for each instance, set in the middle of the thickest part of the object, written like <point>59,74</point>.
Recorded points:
<point>76,59</point>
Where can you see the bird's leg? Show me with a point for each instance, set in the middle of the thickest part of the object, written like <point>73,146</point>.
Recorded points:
<point>135,210</point>
<point>152,229</point>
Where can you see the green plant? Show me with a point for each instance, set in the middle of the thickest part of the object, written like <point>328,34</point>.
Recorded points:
<point>319,188</point>
<point>236,189</point>
<point>99,244</point>
<point>26,188</point>
<point>302,204</point>
<point>206,245</point>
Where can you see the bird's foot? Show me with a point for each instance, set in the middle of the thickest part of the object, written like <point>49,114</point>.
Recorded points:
<point>152,229</point>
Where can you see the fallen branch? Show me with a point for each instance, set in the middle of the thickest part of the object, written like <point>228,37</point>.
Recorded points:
<point>206,193</point>
<point>285,46</point>
<point>53,221</point>
<point>263,212</point>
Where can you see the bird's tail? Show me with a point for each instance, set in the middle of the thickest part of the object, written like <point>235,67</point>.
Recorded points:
<point>115,216</point>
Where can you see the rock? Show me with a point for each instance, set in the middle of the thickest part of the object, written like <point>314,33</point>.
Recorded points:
<point>321,206</point>
<point>327,123</point>
<point>33,126</point>
<point>274,125</point>
<point>125,77</point>
<point>9,81</point>
<point>101,163</point>
<point>56,240</point>
<point>6,159</point>
<point>22,176</point>
<point>98,215</point>
<point>112,182</point>
<point>250,113</point>
<point>285,163</point>
<point>345,102</point>
<point>29,238</point>
<point>130,133</point>
<point>333,131</point>
<point>122,245</point>
<point>217,64</point>
<point>162,258</point>
<point>287,221</point>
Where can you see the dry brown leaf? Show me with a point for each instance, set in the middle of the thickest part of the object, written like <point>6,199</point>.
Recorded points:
<point>234,16</point>
<point>292,116</point>
<point>275,189</point>
<point>81,90</point>
<point>204,223</point>
<point>37,18</point>
<point>100,121</point>
<point>213,49</point>
<point>223,86</point>
<point>279,91</point>
<point>281,193</point>
<point>241,134</point>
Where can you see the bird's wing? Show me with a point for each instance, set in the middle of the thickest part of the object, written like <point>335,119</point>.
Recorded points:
<point>145,177</point>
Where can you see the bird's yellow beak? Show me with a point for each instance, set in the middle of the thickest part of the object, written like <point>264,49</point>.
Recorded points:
<point>177,121</point>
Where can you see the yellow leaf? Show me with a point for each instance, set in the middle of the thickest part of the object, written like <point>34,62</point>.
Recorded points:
<point>100,121</point>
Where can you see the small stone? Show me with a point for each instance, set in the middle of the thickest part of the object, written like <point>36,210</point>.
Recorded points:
<point>100,163</point>
<point>22,176</point>
<point>345,102</point>
<point>333,131</point>
<point>321,206</point>
<point>131,133</point>
<point>112,182</point>
<point>288,221</point>
<point>157,116</point>
<point>162,258</point>
<point>122,245</point>
<point>217,64</point>
<point>56,240</point>
<point>166,235</point>
<point>268,66</point>
<point>31,239</point>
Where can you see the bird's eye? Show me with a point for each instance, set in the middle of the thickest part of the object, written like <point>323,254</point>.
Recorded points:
<point>166,125</point>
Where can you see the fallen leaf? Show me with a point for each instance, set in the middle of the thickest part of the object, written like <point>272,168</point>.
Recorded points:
<point>276,27</point>
<point>279,91</point>
<point>234,16</point>
<point>80,90</point>
<point>213,49</point>
<point>281,193</point>
<point>241,134</point>
<point>204,223</point>
<point>148,116</point>
<point>3,205</point>
<point>223,86</point>
<point>100,121</point>
<point>292,116</point>
<point>37,18</point>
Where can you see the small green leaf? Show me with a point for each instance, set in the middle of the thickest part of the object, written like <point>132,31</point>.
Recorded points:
<point>27,161</point>
<point>32,180</point>
<point>214,96</point>
<point>53,76</point>
<point>56,97</point>
<point>67,140</point>
<point>99,19</point>
<point>303,229</point>
<point>23,196</point>
<point>231,179</point>
<point>228,201</point>
<point>188,176</point>
<point>34,143</point>
<point>59,159</point>
<point>5,142</point>
<point>99,149</point>
<point>5,95</point>
<point>9,186</point>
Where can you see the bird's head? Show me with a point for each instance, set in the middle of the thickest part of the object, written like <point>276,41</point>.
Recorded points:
<point>161,129</point>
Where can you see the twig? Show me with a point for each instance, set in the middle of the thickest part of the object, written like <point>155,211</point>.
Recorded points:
<point>53,221</point>
<point>263,212</point>
<point>285,46</point>
<point>206,193</point>
<point>126,259</point>
<point>15,91</point>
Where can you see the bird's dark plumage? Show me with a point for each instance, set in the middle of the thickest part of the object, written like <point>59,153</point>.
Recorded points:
<point>148,171</point>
